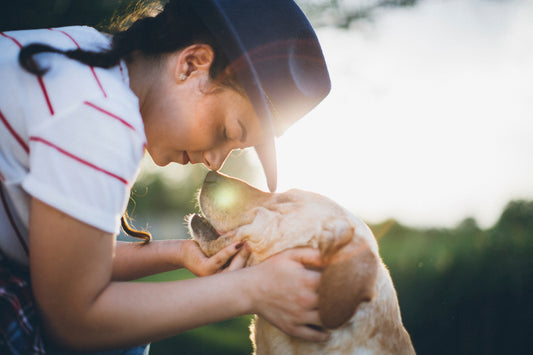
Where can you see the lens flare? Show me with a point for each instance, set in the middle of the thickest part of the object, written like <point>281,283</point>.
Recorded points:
<point>226,197</point>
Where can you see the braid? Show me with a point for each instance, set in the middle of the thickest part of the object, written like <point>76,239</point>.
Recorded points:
<point>145,236</point>
<point>105,59</point>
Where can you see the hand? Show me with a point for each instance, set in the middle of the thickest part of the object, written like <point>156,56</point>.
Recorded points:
<point>201,265</point>
<point>286,293</point>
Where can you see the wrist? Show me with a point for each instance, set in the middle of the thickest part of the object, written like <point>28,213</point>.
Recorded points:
<point>251,289</point>
<point>185,248</point>
<point>170,252</point>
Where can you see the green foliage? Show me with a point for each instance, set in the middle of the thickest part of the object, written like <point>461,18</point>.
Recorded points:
<point>465,290</point>
<point>24,14</point>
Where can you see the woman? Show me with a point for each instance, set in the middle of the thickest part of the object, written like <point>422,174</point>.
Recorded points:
<point>77,111</point>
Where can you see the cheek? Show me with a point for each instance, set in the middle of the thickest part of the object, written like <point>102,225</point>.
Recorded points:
<point>164,122</point>
<point>200,128</point>
<point>201,133</point>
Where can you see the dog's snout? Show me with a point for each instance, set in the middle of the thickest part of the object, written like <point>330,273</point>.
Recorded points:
<point>212,177</point>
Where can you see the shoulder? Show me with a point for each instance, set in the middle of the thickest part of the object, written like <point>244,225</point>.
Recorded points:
<point>63,37</point>
<point>68,82</point>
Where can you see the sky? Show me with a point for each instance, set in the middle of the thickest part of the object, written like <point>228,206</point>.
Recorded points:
<point>430,117</point>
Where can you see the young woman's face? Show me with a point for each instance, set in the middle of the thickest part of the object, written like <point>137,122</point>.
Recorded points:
<point>194,121</point>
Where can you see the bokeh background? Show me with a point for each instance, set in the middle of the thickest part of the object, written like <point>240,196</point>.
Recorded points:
<point>427,135</point>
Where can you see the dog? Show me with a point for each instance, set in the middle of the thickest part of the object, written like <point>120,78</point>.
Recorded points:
<point>357,299</point>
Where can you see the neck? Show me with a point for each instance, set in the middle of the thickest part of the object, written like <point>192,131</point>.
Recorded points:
<point>143,73</point>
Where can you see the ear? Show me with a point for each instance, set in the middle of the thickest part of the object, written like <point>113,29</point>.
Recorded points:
<point>193,60</point>
<point>348,279</point>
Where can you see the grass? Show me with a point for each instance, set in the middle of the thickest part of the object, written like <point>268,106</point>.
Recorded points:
<point>230,337</point>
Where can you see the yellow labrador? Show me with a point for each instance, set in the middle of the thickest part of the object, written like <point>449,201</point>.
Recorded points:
<point>357,298</point>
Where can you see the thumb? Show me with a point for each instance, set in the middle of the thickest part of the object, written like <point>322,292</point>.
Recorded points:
<point>309,257</point>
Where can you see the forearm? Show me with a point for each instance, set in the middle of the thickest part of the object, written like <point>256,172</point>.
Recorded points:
<point>127,314</point>
<point>133,260</point>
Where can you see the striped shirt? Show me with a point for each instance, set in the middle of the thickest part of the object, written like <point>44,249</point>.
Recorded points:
<point>73,138</point>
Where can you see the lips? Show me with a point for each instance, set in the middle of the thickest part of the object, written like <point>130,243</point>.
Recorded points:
<point>202,229</point>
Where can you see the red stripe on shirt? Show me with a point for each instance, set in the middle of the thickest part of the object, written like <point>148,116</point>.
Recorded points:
<point>78,46</point>
<point>66,34</point>
<point>124,122</point>
<point>12,221</point>
<point>78,159</point>
<point>98,82</point>
<point>11,38</point>
<point>39,78</point>
<point>45,93</point>
<point>2,177</point>
<point>14,133</point>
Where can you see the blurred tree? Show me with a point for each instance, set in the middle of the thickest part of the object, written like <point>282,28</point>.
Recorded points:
<point>516,222</point>
<point>342,13</point>
<point>466,289</point>
<point>25,14</point>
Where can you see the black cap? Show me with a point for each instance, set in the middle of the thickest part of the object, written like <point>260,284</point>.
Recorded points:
<point>277,58</point>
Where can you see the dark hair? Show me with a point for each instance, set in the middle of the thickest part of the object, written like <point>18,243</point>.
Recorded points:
<point>175,27</point>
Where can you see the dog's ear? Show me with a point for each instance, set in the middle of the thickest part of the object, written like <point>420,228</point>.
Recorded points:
<point>349,277</point>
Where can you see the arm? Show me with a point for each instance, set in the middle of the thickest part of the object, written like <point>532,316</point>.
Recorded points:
<point>82,308</point>
<point>133,260</point>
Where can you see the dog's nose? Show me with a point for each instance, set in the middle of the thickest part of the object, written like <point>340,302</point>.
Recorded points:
<point>212,177</point>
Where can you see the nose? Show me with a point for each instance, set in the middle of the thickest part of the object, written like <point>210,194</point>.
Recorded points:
<point>212,177</point>
<point>214,159</point>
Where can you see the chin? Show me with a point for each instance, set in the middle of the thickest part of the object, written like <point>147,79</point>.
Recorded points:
<point>160,160</point>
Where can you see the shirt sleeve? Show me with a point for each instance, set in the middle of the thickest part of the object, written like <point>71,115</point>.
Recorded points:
<point>84,161</point>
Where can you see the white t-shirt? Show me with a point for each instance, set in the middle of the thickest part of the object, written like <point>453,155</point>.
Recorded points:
<point>73,138</point>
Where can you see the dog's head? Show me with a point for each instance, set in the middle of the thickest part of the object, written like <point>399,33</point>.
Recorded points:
<point>271,222</point>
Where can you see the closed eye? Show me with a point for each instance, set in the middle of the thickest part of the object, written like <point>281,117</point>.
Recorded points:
<point>242,137</point>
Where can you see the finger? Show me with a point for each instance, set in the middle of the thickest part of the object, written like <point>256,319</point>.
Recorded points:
<point>312,279</point>
<point>239,261</point>
<point>308,257</point>
<point>224,255</point>
<point>310,333</point>
<point>312,319</point>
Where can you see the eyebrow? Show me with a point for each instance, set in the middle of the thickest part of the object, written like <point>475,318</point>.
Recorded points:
<point>244,132</point>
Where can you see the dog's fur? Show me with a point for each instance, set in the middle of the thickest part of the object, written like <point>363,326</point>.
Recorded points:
<point>357,298</point>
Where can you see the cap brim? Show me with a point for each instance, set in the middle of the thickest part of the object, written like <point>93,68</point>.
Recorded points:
<point>267,155</point>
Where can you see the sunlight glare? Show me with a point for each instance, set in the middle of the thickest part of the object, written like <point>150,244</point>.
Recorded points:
<point>225,196</point>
